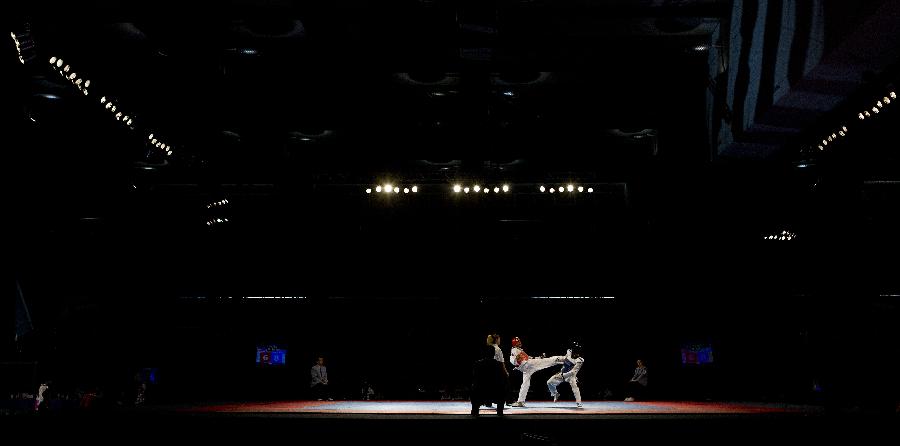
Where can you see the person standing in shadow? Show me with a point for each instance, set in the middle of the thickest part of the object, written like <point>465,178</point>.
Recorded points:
<point>488,381</point>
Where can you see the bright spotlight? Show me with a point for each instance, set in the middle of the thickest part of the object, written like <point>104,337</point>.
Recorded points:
<point>66,69</point>
<point>368,190</point>
<point>388,188</point>
<point>580,188</point>
<point>879,104</point>
<point>552,190</point>
<point>844,128</point>
<point>570,188</point>
<point>59,64</point>
<point>542,188</point>
<point>875,110</point>
<point>108,105</point>
<point>476,188</point>
<point>590,190</point>
<point>396,189</point>
<point>415,189</point>
<point>87,83</point>
<point>842,133</point>
<point>405,190</point>
<point>505,188</point>
<point>102,99</point>
<point>466,190</point>
<point>457,188</point>
<point>861,116</point>
<point>378,189</point>
<point>73,76</point>
<point>52,60</point>
<point>893,95</point>
<point>561,188</point>
<point>153,141</point>
<point>119,116</point>
<point>487,190</point>
<point>496,190</point>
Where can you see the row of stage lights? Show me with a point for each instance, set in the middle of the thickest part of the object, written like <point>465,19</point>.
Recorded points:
<point>785,235</point>
<point>478,189</point>
<point>216,221</point>
<point>567,188</point>
<point>217,204</point>
<point>389,188</point>
<point>159,144</point>
<point>116,112</point>
<point>457,188</point>
<point>877,107</point>
<point>22,46</point>
<point>67,72</point>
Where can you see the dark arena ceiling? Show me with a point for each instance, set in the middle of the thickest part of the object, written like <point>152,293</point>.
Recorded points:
<point>244,144</point>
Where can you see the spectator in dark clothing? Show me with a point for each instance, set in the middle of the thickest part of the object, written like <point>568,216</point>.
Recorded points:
<point>488,381</point>
<point>637,385</point>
